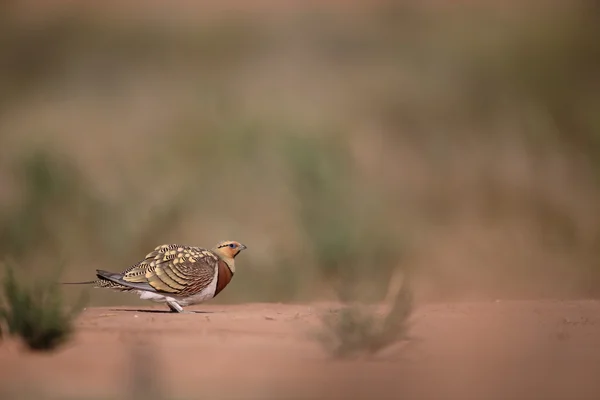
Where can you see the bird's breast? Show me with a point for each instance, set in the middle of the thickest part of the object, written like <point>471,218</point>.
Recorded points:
<point>224,276</point>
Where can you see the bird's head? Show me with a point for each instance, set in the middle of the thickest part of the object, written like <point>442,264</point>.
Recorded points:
<point>228,249</point>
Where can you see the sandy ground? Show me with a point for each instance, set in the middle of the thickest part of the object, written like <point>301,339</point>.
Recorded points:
<point>496,350</point>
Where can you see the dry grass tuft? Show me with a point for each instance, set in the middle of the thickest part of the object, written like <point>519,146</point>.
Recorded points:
<point>36,313</point>
<point>354,329</point>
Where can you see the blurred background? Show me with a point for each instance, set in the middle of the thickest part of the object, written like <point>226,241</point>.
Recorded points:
<point>339,141</point>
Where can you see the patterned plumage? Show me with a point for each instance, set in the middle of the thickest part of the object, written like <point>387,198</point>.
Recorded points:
<point>176,274</point>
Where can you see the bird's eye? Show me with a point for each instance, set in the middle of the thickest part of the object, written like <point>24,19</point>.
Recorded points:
<point>232,245</point>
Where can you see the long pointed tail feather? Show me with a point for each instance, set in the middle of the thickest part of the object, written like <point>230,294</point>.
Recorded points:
<point>116,280</point>
<point>98,283</point>
<point>110,280</point>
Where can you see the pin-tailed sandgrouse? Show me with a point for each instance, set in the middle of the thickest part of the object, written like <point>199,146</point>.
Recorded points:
<point>176,274</point>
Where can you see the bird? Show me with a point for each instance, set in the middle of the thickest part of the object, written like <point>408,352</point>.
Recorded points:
<point>178,275</point>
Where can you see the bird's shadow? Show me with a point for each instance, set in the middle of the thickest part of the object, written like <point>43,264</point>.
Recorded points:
<point>159,311</point>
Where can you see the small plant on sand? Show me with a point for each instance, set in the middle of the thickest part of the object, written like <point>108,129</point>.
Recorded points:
<point>355,329</point>
<point>35,314</point>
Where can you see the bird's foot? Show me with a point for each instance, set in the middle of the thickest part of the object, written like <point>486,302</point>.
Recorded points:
<point>176,308</point>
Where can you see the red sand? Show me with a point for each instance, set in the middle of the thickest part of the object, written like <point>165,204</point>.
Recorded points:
<point>499,350</point>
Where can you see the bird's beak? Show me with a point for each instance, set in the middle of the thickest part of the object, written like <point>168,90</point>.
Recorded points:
<point>242,247</point>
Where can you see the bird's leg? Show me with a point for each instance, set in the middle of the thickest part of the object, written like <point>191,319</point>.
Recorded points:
<point>175,307</point>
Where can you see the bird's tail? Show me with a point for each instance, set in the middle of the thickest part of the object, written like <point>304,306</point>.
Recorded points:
<point>102,282</point>
<point>106,280</point>
<point>80,283</point>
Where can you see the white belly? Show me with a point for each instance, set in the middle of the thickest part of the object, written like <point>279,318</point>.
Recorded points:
<point>205,294</point>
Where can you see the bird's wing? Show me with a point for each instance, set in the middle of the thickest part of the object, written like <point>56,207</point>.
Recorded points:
<point>175,269</point>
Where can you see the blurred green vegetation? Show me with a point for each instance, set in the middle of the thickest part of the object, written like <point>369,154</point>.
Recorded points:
<point>343,229</point>
<point>461,142</point>
<point>36,313</point>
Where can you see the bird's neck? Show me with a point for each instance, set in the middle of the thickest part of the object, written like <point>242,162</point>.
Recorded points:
<point>228,259</point>
<point>230,263</point>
